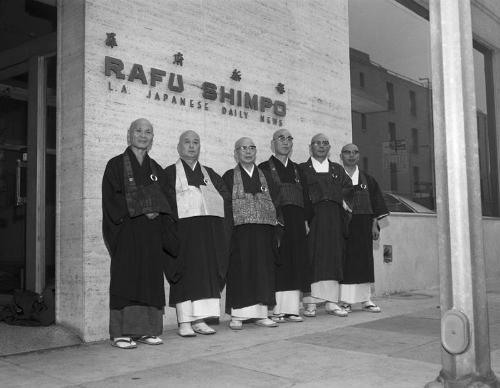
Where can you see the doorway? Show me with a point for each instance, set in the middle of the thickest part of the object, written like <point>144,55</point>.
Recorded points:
<point>28,176</point>
<point>28,69</point>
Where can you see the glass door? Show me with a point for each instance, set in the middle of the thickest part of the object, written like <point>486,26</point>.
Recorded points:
<point>27,175</point>
<point>13,157</point>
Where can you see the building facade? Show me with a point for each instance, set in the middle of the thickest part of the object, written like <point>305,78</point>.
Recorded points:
<point>224,69</point>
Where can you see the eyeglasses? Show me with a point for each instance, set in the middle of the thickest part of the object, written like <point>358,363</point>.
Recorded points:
<point>283,138</point>
<point>348,152</point>
<point>246,148</point>
<point>318,143</point>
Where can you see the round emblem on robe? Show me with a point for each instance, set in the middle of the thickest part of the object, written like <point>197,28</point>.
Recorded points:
<point>363,186</point>
<point>335,176</point>
<point>297,180</point>
<point>263,189</point>
<point>205,180</point>
<point>153,177</point>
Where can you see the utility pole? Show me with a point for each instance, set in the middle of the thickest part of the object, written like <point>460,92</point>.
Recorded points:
<point>465,351</point>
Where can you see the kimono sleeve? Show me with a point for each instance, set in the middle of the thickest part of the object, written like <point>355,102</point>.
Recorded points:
<point>377,199</point>
<point>114,204</point>
<point>308,205</point>
<point>228,179</point>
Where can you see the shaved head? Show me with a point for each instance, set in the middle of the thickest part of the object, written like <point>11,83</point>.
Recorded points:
<point>188,133</point>
<point>279,132</point>
<point>319,137</point>
<point>350,147</point>
<point>136,123</point>
<point>243,141</point>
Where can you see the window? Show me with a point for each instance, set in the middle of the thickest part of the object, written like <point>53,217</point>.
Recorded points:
<point>363,121</point>
<point>416,178</point>
<point>394,70</point>
<point>413,103</point>
<point>390,96</point>
<point>486,130</point>
<point>414,140</point>
<point>394,176</point>
<point>361,79</point>
<point>392,131</point>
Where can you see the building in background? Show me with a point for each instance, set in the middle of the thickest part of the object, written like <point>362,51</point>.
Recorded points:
<point>395,136</point>
<point>392,125</point>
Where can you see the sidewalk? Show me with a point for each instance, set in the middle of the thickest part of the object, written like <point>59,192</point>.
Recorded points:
<point>399,347</point>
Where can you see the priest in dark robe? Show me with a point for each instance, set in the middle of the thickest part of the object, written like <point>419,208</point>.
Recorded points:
<point>198,194</point>
<point>251,276</point>
<point>137,229</point>
<point>292,265</point>
<point>330,194</point>
<point>368,208</point>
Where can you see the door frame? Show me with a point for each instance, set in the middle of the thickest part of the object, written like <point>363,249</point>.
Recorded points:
<point>32,57</point>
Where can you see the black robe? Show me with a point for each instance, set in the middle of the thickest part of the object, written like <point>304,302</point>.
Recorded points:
<point>358,265</point>
<point>292,270</point>
<point>251,276</point>
<point>136,245</point>
<point>328,225</point>
<point>204,243</point>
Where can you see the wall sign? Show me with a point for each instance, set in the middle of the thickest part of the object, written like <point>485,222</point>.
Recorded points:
<point>169,88</point>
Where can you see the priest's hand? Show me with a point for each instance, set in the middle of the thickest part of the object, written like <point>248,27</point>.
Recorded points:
<point>153,215</point>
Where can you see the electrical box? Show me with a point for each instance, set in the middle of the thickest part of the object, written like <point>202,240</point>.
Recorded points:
<point>455,335</point>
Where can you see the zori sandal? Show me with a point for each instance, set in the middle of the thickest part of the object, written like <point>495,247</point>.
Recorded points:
<point>123,343</point>
<point>347,307</point>
<point>278,318</point>
<point>150,340</point>
<point>202,328</point>
<point>235,324</point>
<point>371,308</point>
<point>293,318</point>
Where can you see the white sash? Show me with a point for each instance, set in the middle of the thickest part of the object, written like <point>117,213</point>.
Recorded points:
<point>193,201</point>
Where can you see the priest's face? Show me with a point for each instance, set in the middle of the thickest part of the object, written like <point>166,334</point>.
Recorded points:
<point>350,155</point>
<point>282,142</point>
<point>141,134</point>
<point>320,147</point>
<point>189,146</point>
<point>245,151</point>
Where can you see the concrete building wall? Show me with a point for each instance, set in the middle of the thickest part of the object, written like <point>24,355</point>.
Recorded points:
<point>70,272</point>
<point>414,266</point>
<point>303,45</point>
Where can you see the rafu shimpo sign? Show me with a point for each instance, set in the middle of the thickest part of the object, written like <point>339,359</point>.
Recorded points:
<point>241,103</point>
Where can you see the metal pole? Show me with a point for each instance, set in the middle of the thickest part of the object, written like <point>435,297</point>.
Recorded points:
<point>465,352</point>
